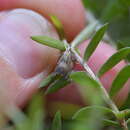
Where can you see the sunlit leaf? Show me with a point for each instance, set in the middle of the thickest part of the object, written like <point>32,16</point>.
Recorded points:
<point>58,25</point>
<point>83,113</point>
<point>48,41</point>
<point>58,84</point>
<point>94,42</point>
<point>84,80</point>
<point>120,80</point>
<point>57,124</point>
<point>113,60</point>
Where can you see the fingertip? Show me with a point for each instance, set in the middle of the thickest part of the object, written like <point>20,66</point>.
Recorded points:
<point>28,57</point>
<point>70,12</point>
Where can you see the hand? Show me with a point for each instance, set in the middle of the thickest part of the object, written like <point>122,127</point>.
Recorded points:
<point>24,63</point>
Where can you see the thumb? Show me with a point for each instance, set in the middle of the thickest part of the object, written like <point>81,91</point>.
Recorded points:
<point>24,62</point>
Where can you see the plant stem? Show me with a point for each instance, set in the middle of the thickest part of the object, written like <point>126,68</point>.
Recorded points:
<point>91,73</point>
<point>106,96</point>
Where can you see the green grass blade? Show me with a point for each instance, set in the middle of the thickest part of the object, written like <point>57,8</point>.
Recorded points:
<point>113,60</point>
<point>95,41</point>
<point>58,84</point>
<point>120,80</point>
<point>84,80</point>
<point>57,124</point>
<point>83,113</point>
<point>48,41</point>
<point>58,25</point>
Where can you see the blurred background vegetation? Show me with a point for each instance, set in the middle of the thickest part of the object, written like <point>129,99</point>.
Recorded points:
<point>117,14</point>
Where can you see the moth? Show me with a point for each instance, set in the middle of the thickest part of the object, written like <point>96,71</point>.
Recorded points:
<point>60,77</point>
<point>65,64</point>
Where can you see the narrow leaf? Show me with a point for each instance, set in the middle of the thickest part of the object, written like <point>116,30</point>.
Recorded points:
<point>84,35</point>
<point>83,113</point>
<point>84,80</point>
<point>57,124</point>
<point>48,41</point>
<point>58,25</point>
<point>107,122</point>
<point>58,84</point>
<point>48,80</point>
<point>113,60</point>
<point>120,80</point>
<point>95,41</point>
<point>36,112</point>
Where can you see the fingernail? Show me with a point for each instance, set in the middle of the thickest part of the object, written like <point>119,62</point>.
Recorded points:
<point>29,58</point>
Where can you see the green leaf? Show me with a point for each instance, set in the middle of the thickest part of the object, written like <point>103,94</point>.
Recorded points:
<point>58,25</point>
<point>126,103</point>
<point>48,41</point>
<point>122,114</point>
<point>94,42</point>
<point>107,122</point>
<point>120,80</point>
<point>84,80</point>
<point>113,60</point>
<point>58,84</point>
<point>36,112</point>
<point>83,113</point>
<point>57,124</point>
<point>48,80</point>
<point>84,35</point>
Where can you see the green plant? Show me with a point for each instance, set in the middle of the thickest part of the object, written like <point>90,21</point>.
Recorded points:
<point>88,77</point>
<point>107,114</point>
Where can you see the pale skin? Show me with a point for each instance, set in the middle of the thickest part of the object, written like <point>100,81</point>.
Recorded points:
<point>24,63</point>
